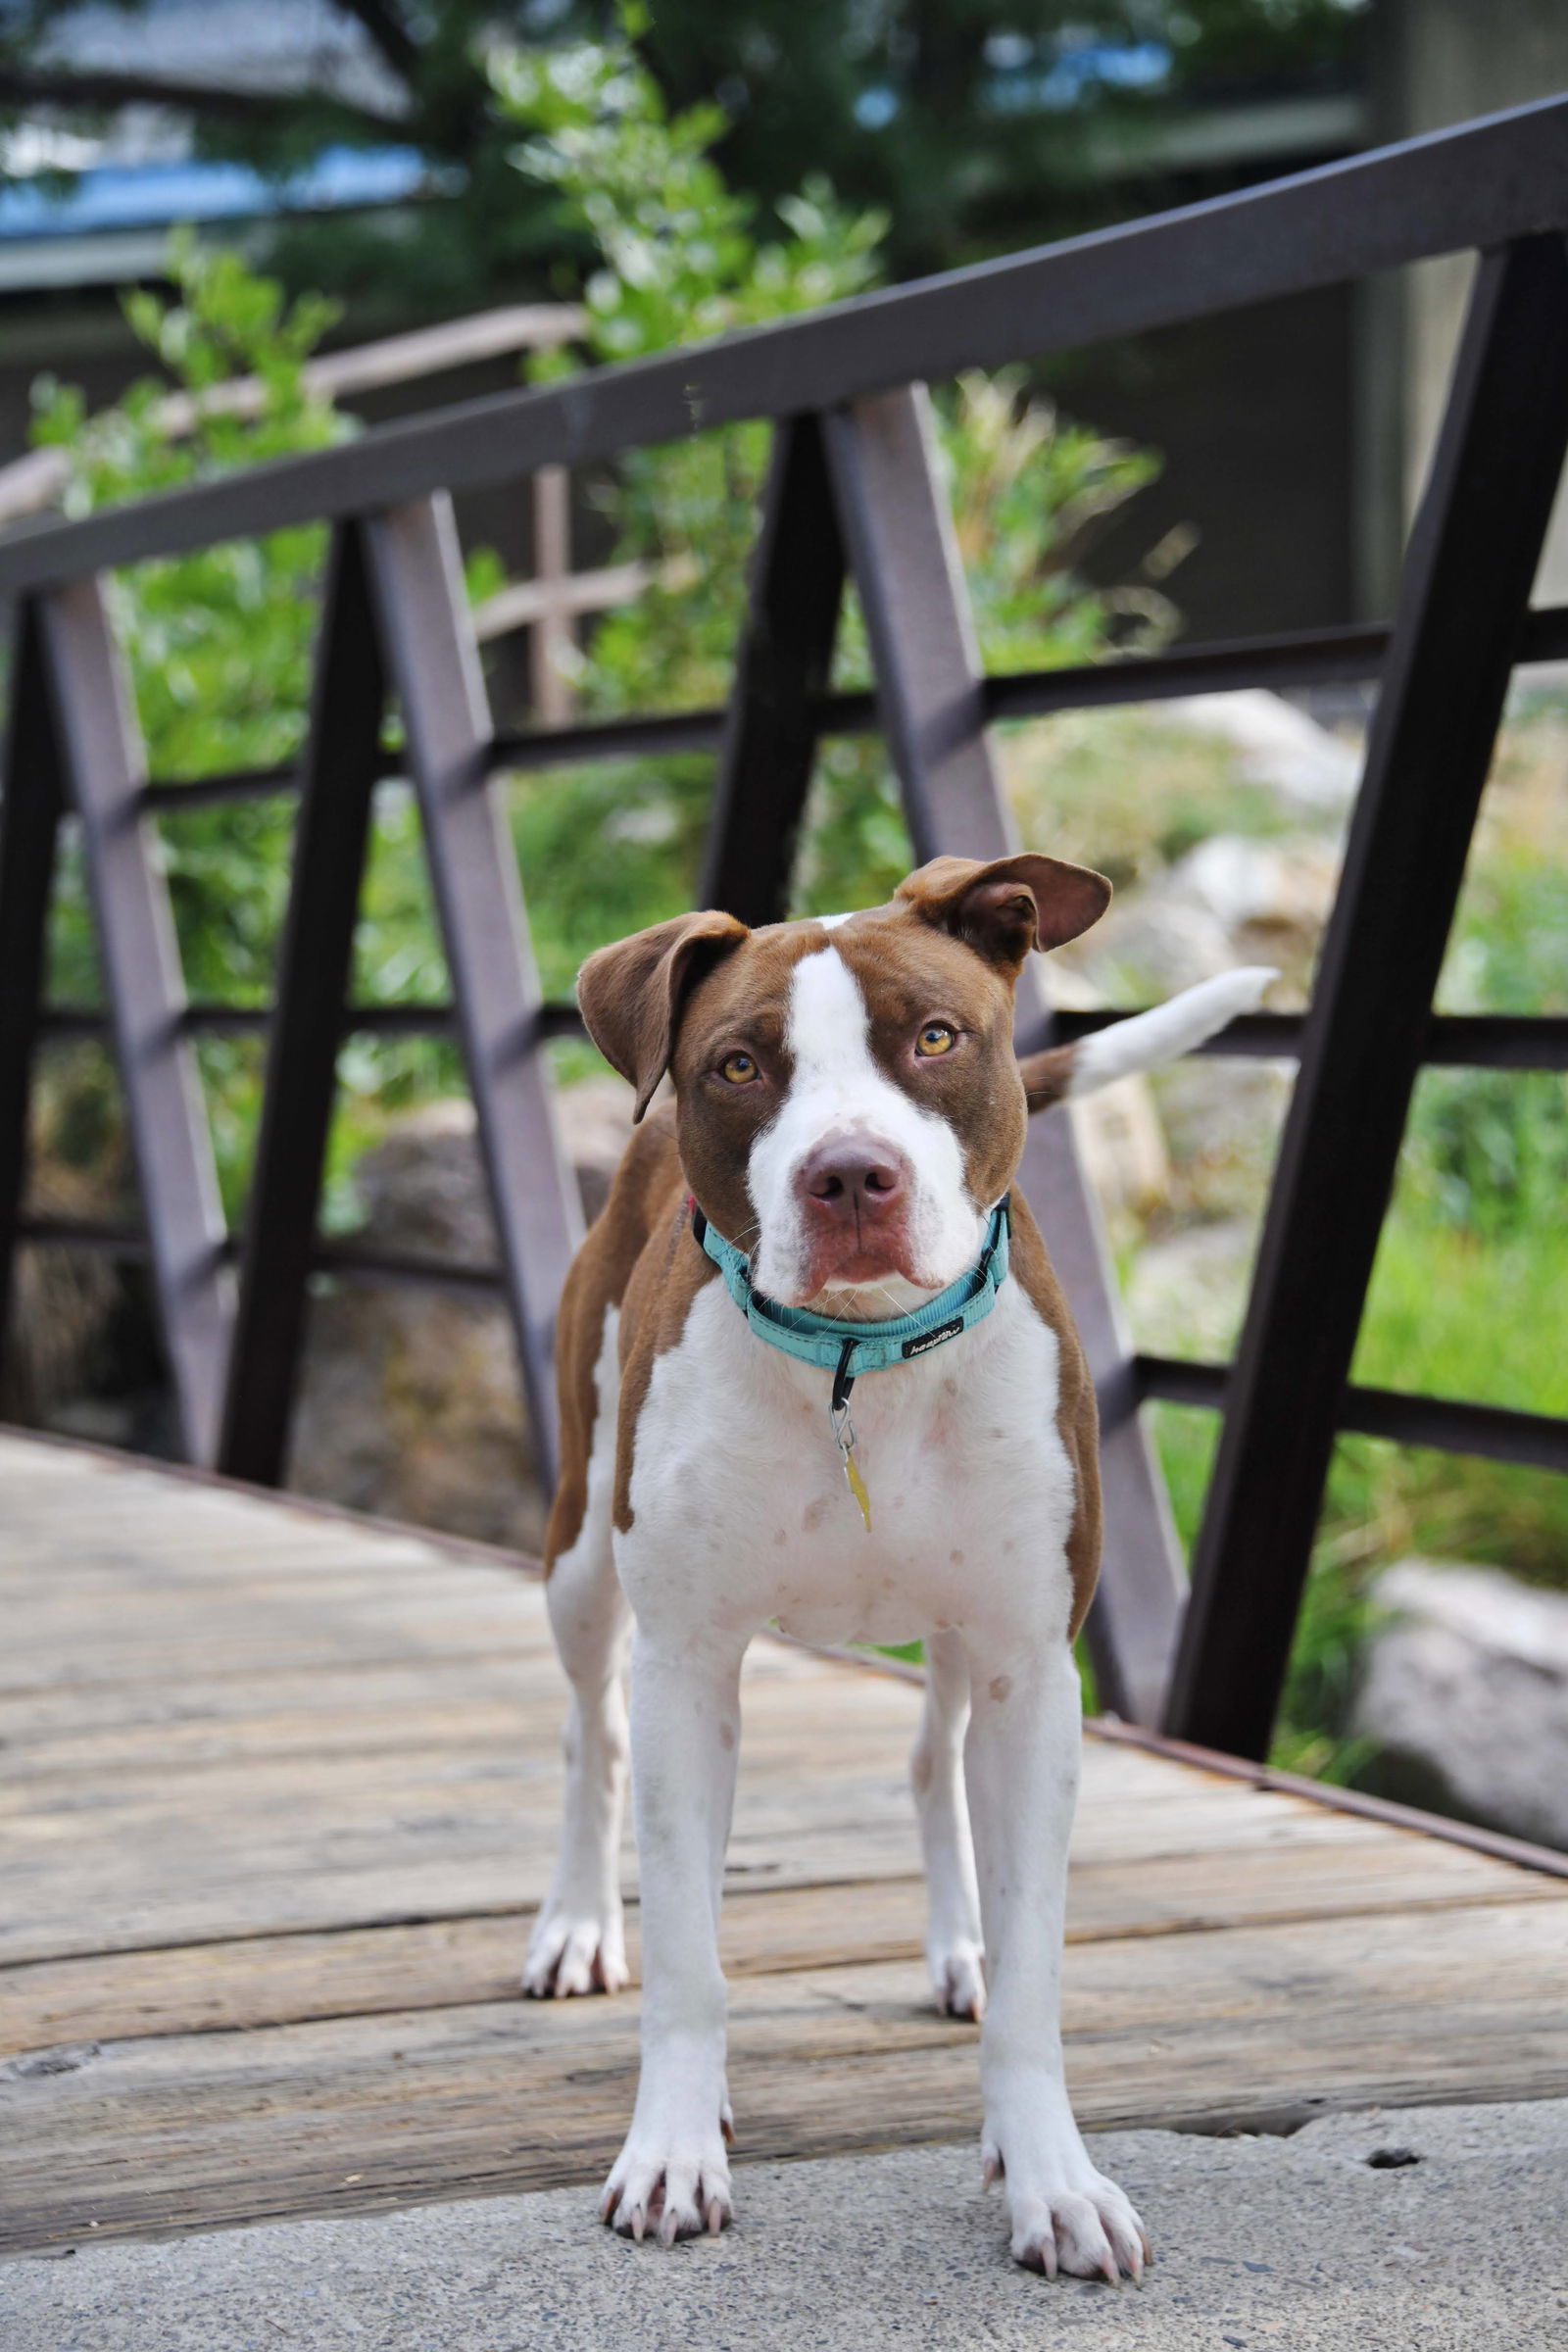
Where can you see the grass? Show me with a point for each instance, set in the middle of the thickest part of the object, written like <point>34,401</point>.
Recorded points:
<point>1450,1313</point>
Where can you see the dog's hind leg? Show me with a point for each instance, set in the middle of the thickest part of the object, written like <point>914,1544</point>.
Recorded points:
<point>953,1945</point>
<point>578,1941</point>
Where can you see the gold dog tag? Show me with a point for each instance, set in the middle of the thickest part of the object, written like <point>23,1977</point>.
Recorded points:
<point>843,1429</point>
<point>852,1471</point>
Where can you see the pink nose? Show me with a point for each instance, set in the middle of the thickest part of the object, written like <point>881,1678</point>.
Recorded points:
<point>853,1183</point>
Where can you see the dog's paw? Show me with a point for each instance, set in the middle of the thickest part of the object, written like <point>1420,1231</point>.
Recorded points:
<point>573,1950</point>
<point>959,1978</point>
<point>671,2183</point>
<point>1069,2218</point>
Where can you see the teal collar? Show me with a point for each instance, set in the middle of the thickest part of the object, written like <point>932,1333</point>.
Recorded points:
<point>847,1349</point>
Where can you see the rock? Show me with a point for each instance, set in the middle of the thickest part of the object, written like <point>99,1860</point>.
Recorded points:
<point>1122,1147</point>
<point>1221,1118</point>
<point>65,1303</point>
<point>411,1406</point>
<point>1280,746</point>
<point>1466,1693</point>
<point>1187,1293</point>
<point>1229,901</point>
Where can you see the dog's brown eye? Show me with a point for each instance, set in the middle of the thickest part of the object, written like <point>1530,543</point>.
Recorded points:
<point>935,1038</point>
<point>738,1069</point>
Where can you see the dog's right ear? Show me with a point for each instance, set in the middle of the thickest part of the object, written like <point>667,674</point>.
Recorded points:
<point>630,994</point>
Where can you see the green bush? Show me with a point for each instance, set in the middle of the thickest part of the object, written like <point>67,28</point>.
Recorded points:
<point>681,255</point>
<point>218,647</point>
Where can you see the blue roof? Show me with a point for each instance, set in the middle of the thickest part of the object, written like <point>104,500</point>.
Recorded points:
<point>156,195</point>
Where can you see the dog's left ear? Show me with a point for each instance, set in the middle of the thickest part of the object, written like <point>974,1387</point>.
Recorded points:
<point>1013,905</point>
<point>630,995</point>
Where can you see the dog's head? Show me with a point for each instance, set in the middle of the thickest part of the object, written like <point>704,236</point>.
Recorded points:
<point>849,1104</point>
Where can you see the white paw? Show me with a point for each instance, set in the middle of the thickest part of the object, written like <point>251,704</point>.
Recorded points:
<point>670,2182</point>
<point>575,1950</point>
<point>1069,2218</point>
<point>959,1976</point>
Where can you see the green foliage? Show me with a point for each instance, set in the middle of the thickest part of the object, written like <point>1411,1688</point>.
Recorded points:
<point>219,650</point>
<point>1452,1311</point>
<point>681,253</point>
<point>218,643</point>
<point>1487,1149</point>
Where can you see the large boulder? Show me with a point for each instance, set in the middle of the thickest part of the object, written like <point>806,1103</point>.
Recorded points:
<point>1233,899</point>
<point>1465,1691</point>
<point>411,1406</point>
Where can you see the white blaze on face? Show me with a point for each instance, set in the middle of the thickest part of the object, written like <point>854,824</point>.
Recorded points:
<point>838,1094</point>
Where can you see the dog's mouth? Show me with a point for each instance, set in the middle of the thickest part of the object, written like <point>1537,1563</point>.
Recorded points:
<point>856,1261</point>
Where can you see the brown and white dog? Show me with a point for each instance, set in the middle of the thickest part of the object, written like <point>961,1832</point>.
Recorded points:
<point>848,1111</point>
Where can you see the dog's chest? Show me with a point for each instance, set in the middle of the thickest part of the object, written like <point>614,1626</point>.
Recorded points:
<point>742,1512</point>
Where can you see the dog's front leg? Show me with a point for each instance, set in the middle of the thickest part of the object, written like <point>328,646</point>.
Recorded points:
<point>673,2174</point>
<point>1022,1759</point>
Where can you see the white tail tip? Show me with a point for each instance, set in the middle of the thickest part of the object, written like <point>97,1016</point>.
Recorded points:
<point>1149,1039</point>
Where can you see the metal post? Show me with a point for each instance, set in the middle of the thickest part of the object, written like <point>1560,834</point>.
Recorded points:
<point>433,667</point>
<point>339,768</point>
<point>782,670</point>
<point>102,755</point>
<point>1467,582</point>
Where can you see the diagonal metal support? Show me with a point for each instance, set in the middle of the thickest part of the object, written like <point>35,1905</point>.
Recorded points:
<point>341,764</point>
<point>1467,580</point>
<point>100,752</point>
<point>432,664</point>
<point>31,809</point>
<point>783,671</point>
<point>904,560</point>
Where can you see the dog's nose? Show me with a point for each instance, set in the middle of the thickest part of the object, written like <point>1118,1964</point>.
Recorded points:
<point>853,1183</point>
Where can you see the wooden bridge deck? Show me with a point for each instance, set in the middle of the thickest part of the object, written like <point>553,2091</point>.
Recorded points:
<point>279,1791</point>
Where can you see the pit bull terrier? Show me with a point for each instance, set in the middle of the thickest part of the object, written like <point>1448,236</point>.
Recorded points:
<point>816,1372</point>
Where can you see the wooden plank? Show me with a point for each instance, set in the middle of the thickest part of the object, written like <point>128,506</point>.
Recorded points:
<point>375,1839</point>
<point>230,1709</point>
<point>555,596</point>
<point>102,755</point>
<point>1466,586</point>
<point>274,1979</point>
<point>428,641</point>
<point>38,479</point>
<point>200,2130</point>
<point>274,1817</point>
<point>904,557</point>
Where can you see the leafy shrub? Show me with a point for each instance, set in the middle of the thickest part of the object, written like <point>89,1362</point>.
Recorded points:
<point>681,255</point>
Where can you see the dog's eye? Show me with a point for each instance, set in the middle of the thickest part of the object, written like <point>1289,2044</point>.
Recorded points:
<point>738,1069</point>
<point>935,1038</point>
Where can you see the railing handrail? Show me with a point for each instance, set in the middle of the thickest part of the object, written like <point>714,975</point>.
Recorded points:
<point>1480,185</point>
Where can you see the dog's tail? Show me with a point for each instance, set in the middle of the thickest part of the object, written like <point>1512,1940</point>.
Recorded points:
<point>1146,1042</point>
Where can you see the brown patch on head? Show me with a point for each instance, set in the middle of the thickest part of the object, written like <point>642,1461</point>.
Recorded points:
<point>1005,907</point>
<point>631,995</point>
